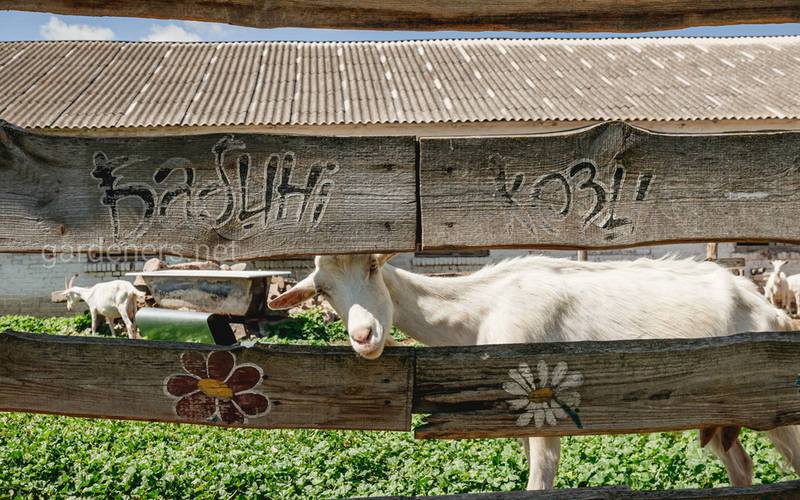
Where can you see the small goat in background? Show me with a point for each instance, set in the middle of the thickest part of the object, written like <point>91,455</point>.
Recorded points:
<point>112,300</point>
<point>777,288</point>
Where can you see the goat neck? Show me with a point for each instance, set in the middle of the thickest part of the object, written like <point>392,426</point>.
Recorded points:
<point>434,311</point>
<point>83,291</point>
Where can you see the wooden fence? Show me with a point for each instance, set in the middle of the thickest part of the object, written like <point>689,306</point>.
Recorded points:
<point>787,490</point>
<point>245,196</point>
<point>547,15</point>
<point>748,380</point>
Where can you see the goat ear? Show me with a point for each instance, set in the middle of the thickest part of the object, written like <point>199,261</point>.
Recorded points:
<point>706,435</point>
<point>383,258</point>
<point>729,435</point>
<point>299,293</point>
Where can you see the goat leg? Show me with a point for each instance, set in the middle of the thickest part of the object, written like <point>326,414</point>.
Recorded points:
<point>94,321</point>
<point>728,435</point>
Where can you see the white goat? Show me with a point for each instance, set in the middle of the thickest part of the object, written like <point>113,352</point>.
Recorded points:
<point>112,300</point>
<point>539,299</point>
<point>777,288</point>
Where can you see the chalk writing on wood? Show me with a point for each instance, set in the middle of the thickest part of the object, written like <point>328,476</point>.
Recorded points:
<point>558,193</point>
<point>244,199</point>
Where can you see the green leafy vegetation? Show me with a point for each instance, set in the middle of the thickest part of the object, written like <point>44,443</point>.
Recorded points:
<point>70,325</point>
<point>309,328</point>
<point>55,457</point>
<point>48,456</point>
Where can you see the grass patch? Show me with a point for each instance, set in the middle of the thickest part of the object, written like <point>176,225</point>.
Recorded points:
<point>56,457</point>
<point>48,456</point>
<point>70,325</point>
<point>308,328</point>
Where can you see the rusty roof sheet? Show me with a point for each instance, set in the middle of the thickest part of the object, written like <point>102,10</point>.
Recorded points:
<point>68,85</point>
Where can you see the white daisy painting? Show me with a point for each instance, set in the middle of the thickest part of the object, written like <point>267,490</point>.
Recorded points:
<point>544,397</point>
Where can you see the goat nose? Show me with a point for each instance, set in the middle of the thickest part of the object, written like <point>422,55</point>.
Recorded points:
<point>362,335</point>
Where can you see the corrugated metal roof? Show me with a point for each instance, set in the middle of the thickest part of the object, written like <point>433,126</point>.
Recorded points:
<point>128,84</point>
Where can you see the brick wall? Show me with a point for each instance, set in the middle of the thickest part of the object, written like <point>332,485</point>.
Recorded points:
<point>27,280</point>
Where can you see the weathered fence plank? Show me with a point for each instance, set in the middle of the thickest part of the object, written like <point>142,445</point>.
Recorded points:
<point>611,185</point>
<point>211,196</point>
<point>544,15</point>
<point>264,386</point>
<point>788,490</point>
<point>252,196</point>
<point>748,380</point>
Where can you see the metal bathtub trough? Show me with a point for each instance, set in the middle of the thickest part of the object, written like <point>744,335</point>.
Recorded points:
<point>231,293</point>
<point>156,323</point>
<point>201,300</point>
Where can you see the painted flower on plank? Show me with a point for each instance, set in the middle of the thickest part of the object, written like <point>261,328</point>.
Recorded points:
<point>544,397</point>
<point>216,389</point>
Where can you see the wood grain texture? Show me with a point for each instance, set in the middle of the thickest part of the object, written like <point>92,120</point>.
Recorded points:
<point>473,15</point>
<point>749,380</point>
<point>608,186</point>
<point>210,196</point>
<point>788,490</point>
<point>307,387</point>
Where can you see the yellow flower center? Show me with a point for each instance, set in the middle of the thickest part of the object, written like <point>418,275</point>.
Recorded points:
<point>214,388</point>
<point>541,395</point>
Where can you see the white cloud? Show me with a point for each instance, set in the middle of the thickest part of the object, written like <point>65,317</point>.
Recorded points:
<point>170,33</point>
<point>212,29</point>
<point>56,29</point>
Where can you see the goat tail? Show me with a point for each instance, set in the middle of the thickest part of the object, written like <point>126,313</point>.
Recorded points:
<point>783,323</point>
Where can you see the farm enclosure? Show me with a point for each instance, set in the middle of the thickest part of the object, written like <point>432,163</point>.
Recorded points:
<point>276,195</point>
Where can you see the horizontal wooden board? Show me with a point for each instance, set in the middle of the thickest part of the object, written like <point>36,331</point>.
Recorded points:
<point>273,386</point>
<point>544,15</point>
<point>748,380</point>
<point>787,490</point>
<point>611,185</point>
<point>212,196</point>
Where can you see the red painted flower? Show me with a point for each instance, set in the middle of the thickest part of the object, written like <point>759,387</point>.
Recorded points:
<point>215,389</point>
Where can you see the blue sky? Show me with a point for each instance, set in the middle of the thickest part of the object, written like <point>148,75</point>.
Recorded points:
<point>38,26</point>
